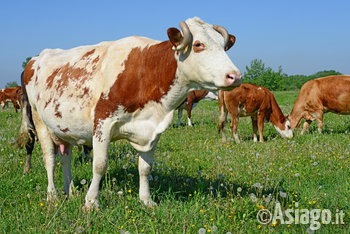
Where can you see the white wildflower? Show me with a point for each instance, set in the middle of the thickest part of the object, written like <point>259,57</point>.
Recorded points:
<point>253,198</point>
<point>283,194</point>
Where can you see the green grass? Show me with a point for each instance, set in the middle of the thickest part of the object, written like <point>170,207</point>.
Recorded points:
<point>197,181</point>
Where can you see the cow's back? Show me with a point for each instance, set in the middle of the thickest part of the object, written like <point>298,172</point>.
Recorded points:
<point>332,93</point>
<point>248,98</point>
<point>64,86</point>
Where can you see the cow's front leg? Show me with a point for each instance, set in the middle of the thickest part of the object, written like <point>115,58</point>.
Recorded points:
<point>99,165</point>
<point>306,126</point>
<point>145,167</point>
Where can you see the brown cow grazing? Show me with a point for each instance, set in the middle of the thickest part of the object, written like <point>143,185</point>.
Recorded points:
<point>13,94</point>
<point>191,102</point>
<point>256,102</point>
<point>322,95</point>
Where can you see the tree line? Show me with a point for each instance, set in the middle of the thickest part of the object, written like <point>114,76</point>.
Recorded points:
<point>258,74</point>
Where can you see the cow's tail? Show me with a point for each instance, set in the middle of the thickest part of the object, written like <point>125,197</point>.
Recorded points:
<point>26,136</point>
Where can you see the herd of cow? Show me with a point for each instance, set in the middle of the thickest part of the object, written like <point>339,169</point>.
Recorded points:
<point>129,89</point>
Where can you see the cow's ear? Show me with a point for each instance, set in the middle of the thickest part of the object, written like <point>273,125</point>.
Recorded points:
<point>175,36</point>
<point>231,41</point>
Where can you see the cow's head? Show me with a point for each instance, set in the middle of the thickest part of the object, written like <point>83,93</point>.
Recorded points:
<point>201,55</point>
<point>284,128</point>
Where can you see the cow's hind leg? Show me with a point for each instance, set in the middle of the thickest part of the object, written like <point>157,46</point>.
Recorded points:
<point>261,118</point>
<point>234,127</point>
<point>255,128</point>
<point>48,149</point>
<point>29,148</point>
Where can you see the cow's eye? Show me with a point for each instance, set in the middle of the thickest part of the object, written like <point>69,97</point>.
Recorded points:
<point>198,46</point>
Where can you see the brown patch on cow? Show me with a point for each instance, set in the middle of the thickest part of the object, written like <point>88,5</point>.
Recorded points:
<point>50,79</point>
<point>85,92</point>
<point>28,72</point>
<point>96,59</point>
<point>87,54</point>
<point>48,102</point>
<point>58,114</point>
<point>62,130</point>
<point>66,74</point>
<point>147,76</point>
<point>65,130</point>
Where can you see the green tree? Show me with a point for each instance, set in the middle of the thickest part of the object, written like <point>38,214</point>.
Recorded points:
<point>260,75</point>
<point>256,69</point>
<point>24,64</point>
<point>11,84</point>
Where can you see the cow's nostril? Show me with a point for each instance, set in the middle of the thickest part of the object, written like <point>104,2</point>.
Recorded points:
<point>234,76</point>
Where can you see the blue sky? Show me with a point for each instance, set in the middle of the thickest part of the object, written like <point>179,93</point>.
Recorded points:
<point>302,36</point>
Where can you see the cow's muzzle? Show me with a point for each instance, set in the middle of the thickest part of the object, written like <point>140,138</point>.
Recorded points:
<point>233,79</point>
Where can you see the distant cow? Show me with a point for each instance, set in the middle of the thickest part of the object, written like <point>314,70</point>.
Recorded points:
<point>125,89</point>
<point>13,94</point>
<point>191,102</point>
<point>256,102</point>
<point>319,96</point>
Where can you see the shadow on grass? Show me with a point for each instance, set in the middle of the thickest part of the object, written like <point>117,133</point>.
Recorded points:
<point>181,187</point>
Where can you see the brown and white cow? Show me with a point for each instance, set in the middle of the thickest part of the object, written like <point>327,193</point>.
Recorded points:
<point>319,96</point>
<point>191,102</point>
<point>125,89</point>
<point>12,94</point>
<point>256,102</point>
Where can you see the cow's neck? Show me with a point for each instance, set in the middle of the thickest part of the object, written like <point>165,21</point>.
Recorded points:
<point>277,116</point>
<point>150,75</point>
<point>295,117</point>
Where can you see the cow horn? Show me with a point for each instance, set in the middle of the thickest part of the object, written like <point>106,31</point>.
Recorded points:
<point>223,32</point>
<point>187,37</point>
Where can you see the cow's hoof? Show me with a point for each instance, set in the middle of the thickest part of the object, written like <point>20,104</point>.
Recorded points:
<point>51,197</point>
<point>149,203</point>
<point>91,206</point>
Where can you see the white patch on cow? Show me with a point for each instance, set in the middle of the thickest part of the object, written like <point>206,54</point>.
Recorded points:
<point>189,122</point>
<point>287,132</point>
<point>315,115</point>
<point>211,96</point>
<point>259,88</point>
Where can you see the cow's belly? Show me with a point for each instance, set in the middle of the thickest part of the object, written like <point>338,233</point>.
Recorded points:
<point>242,112</point>
<point>74,127</point>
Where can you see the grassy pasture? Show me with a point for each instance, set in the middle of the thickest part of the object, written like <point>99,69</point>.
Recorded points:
<point>200,184</point>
